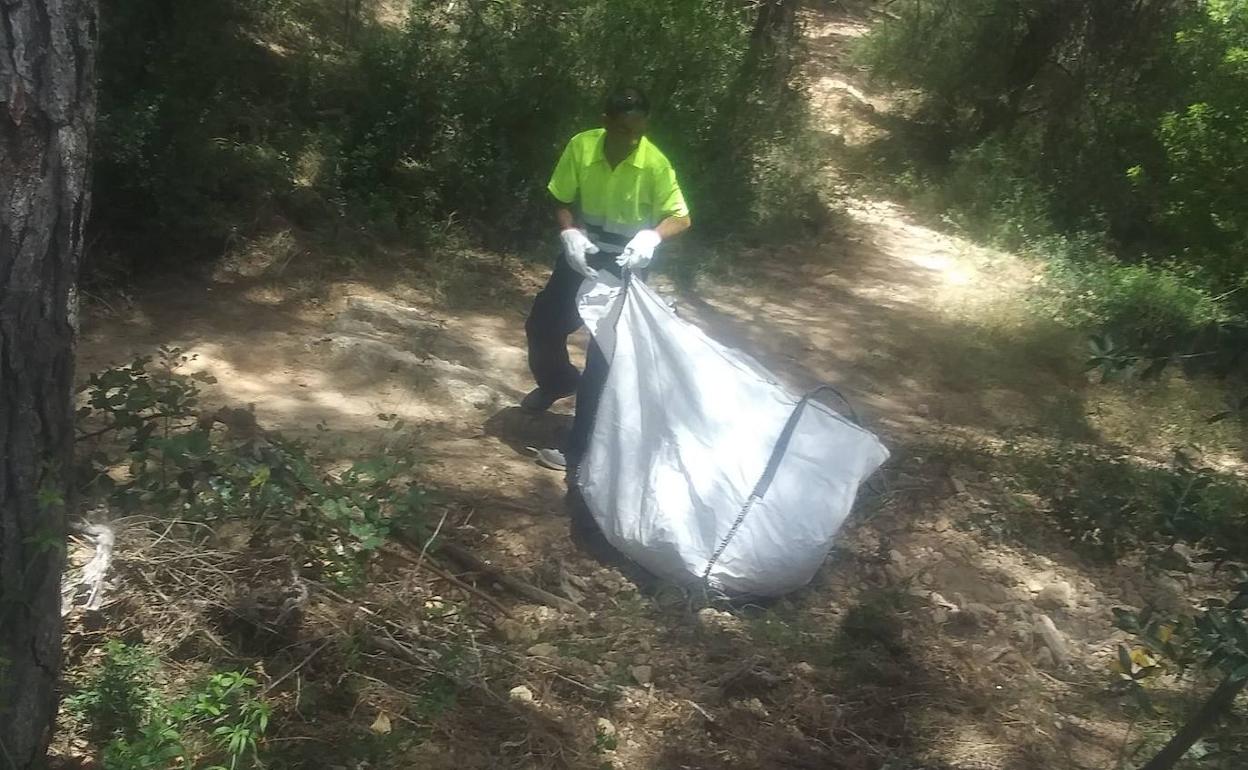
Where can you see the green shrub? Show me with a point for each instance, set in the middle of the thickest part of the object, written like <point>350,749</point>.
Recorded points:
<point>118,699</point>
<point>1041,122</point>
<point>1145,309</point>
<point>1109,506</point>
<point>140,728</point>
<point>215,118</point>
<point>179,462</point>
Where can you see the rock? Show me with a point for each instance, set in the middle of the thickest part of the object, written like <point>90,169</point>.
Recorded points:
<point>1044,658</point>
<point>896,567</point>
<point>1178,558</point>
<point>514,631</point>
<point>754,706</point>
<point>1053,639</point>
<point>712,619</point>
<point>605,727</point>
<point>521,694</point>
<point>1056,596</point>
<point>543,650</point>
<point>804,670</point>
<point>1169,585</point>
<point>641,674</point>
<point>980,614</point>
<point>976,608</point>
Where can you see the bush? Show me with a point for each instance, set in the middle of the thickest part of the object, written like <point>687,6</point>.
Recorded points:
<point>213,465</point>
<point>193,134</point>
<point>1148,310</point>
<point>140,728</point>
<point>212,120</point>
<point>1109,506</point>
<point>1118,119</point>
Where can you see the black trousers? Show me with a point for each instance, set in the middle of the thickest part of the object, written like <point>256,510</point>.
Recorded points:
<point>552,320</point>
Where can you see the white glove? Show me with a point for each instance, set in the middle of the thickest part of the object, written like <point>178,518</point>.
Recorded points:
<point>575,246</point>
<point>640,250</point>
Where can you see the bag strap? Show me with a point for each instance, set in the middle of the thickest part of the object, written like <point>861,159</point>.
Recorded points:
<point>769,472</point>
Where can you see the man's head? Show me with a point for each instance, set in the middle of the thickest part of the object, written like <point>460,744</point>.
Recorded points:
<point>624,115</point>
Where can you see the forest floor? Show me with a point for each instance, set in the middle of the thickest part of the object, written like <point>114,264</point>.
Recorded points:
<point>953,627</point>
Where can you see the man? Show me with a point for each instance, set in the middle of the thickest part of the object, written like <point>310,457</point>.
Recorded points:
<point>616,199</point>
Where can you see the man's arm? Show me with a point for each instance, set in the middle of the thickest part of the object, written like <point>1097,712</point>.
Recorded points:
<point>671,227</point>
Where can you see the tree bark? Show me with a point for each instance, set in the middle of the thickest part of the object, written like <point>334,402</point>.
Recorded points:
<point>47,110</point>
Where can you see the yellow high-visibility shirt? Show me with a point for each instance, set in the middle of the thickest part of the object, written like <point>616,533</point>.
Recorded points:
<point>613,204</point>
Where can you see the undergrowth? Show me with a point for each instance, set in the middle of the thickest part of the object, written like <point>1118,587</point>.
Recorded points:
<point>1109,505</point>
<point>216,725</point>
<point>158,448</point>
<point>1097,137</point>
<point>152,451</point>
<point>363,128</point>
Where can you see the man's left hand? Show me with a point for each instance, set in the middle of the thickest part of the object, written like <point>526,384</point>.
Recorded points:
<point>640,250</point>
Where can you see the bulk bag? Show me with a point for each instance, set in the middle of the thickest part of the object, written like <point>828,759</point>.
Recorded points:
<point>701,467</point>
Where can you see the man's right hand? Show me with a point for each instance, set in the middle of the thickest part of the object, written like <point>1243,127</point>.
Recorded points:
<point>576,246</point>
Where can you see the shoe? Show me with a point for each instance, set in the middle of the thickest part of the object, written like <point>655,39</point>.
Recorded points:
<point>552,459</point>
<point>538,400</point>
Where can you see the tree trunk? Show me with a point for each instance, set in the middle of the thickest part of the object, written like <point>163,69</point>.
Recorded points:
<point>47,110</point>
<point>1218,704</point>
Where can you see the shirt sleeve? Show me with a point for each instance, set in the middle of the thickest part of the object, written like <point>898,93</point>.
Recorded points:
<point>563,182</point>
<point>667,194</point>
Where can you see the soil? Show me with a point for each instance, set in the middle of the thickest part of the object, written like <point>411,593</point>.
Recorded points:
<point>923,643</point>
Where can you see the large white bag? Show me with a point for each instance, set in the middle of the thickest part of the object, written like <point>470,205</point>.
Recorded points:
<point>701,467</point>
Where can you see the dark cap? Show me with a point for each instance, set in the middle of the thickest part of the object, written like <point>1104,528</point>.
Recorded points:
<point>623,101</point>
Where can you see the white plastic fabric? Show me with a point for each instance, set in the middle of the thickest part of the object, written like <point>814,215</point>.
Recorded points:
<point>685,431</point>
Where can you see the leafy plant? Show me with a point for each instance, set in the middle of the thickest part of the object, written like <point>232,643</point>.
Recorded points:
<point>235,717</point>
<point>455,114</point>
<point>1109,505</point>
<point>199,472</point>
<point>1215,640</point>
<point>1104,137</point>
<point>118,699</point>
<point>141,729</point>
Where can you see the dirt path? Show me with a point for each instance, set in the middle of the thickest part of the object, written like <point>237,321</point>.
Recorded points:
<point>922,644</point>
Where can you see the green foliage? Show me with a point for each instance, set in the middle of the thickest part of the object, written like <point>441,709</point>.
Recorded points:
<point>1109,506</point>
<point>1212,640</point>
<point>158,456</point>
<point>118,698</point>
<point>1106,136</point>
<point>193,130</point>
<point>141,729</point>
<point>237,719</point>
<point>1147,310</point>
<point>214,119</point>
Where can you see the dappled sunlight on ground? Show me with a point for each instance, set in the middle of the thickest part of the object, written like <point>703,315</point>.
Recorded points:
<point>917,645</point>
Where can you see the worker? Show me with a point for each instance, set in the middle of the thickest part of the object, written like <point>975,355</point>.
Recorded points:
<point>616,200</point>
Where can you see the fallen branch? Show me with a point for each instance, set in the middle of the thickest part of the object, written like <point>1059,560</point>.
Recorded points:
<point>426,562</point>
<point>471,561</point>
<point>302,663</point>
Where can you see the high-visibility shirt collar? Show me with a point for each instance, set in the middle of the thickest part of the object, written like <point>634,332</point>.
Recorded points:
<point>636,158</point>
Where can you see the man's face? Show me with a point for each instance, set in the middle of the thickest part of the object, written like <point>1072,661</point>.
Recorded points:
<point>625,130</point>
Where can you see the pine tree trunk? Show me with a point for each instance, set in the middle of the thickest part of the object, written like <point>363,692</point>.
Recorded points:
<point>47,110</point>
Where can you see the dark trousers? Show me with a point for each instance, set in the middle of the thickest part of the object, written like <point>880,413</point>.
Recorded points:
<point>553,318</point>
